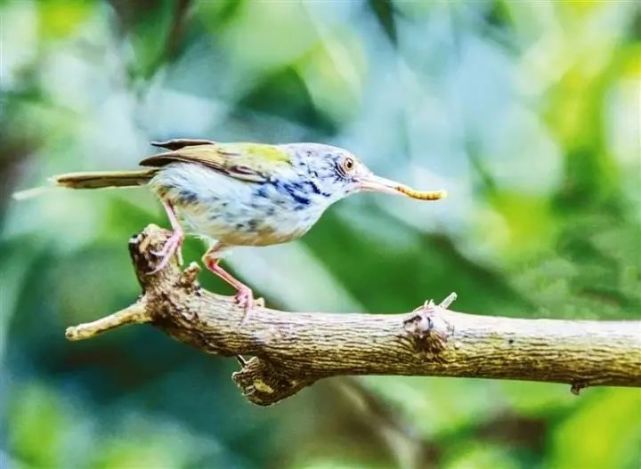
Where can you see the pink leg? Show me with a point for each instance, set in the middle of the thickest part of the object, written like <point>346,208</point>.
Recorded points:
<point>173,244</point>
<point>244,295</point>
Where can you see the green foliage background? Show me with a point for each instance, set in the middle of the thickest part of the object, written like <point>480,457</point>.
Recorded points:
<point>528,113</point>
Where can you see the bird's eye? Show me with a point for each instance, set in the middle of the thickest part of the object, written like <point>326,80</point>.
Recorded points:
<point>348,164</point>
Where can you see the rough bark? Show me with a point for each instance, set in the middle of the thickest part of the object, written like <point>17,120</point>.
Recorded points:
<point>292,350</point>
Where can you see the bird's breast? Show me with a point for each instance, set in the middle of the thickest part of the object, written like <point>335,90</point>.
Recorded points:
<point>237,212</point>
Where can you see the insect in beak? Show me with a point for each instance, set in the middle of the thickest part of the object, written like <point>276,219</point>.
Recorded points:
<point>373,183</point>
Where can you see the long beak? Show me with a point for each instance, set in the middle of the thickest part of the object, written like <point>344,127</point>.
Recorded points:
<point>373,183</point>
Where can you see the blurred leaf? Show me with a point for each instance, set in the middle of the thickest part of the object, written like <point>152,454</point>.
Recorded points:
<point>333,73</point>
<point>540,400</point>
<point>37,422</point>
<point>60,18</point>
<point>439,406</point>
<point>220,12</point>
<point>147,25</point>
<point>384,11</point>
<point>480,456</point>
<point>522,234</point>
<point>409,269</point>
<point>284,94</point>
<point>604,432</point>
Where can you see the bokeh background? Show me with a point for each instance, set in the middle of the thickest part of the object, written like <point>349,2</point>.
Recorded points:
<point>527,112</point>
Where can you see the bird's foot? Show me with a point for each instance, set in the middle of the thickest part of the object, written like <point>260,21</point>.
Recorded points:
<point>245,299</point>
<point>171,247</point>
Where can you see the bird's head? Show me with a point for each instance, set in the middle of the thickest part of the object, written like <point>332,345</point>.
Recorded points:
<point>337,173</point>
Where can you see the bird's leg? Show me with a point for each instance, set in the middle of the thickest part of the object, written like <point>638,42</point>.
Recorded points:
<point>173,244</point>
<point>244,295</point>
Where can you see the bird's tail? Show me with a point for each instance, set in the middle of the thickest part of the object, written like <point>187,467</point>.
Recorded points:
<point>94,180</point>
<point>101,179</point>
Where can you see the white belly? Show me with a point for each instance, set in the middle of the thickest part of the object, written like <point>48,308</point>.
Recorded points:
<point>233,211</point>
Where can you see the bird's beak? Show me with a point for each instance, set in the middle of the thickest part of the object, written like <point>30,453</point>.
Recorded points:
<point>373,183</point>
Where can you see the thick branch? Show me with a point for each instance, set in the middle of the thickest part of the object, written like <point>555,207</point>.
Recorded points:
<point>292,350</point>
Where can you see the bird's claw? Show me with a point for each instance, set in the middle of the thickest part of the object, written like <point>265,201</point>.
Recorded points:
<point>171,247</point>
<point>245,299</point>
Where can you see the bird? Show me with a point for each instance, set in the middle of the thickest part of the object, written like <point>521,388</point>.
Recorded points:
<point>242,194</point>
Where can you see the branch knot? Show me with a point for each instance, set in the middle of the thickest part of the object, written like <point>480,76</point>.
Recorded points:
<point>428,332</point>
<point>264,382</point>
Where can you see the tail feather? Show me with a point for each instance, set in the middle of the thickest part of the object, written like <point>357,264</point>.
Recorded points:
<point>101,179</point>
<point>31,193</point>
<point>92,180</point>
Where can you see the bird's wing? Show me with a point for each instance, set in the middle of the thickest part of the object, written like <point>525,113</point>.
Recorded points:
<point>248,161</point>
<point>178,143</point>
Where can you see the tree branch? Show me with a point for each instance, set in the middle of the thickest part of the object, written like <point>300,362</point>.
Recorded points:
<point>292,350</point>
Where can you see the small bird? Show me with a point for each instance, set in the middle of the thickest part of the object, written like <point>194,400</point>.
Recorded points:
<point>243,194</point>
